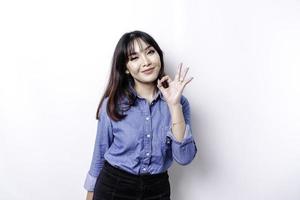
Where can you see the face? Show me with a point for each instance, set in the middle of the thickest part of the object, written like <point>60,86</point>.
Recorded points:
<point>144,64</point>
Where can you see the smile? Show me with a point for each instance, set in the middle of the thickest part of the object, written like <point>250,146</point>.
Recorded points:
<point>149,71</point>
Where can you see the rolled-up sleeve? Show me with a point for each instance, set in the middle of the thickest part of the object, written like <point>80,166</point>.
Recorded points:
<point>184,152</point>
<point>104,138</point>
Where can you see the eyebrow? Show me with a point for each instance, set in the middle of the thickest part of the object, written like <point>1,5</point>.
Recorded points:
<point>133,53</point>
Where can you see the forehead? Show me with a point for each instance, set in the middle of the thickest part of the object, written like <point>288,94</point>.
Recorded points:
<point>137,45</point>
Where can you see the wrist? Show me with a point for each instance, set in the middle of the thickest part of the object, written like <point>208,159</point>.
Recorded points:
<point>177,123</point>
<point>175,108</point>
<point>175,105</point>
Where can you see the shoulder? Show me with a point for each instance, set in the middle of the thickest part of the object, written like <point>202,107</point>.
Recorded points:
<point>184,101</point>
<point>185,108</point>
<point>103,108</point>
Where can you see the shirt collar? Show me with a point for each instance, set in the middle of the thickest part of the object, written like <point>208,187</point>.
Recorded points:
<point>157,94</point>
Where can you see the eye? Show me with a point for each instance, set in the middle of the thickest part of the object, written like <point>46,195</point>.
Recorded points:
<point>132,58</point>
<point>151,52</point>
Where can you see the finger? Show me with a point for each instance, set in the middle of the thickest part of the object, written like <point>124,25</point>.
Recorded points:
<point>159,85</point>
<point>164,78</point>
<point>188,80</point>
<point>168,79</point>
<point>178,72</point>
<point>185,72</point>
<point>176,78</point>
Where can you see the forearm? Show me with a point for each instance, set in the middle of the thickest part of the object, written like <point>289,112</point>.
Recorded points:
<point>89,195</point>
<point>178,122</point>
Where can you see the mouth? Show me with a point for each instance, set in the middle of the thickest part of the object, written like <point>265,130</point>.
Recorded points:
<point>148,71</point>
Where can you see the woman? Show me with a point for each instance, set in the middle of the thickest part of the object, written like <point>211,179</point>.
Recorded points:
<point>143,124</point>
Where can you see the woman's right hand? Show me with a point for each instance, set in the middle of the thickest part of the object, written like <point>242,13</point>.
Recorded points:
<point>89,195</point>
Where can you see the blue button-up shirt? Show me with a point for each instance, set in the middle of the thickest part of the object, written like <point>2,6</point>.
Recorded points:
<point>143,141</point>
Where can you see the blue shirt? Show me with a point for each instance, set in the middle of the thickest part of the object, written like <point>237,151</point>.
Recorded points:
<point>143,141</point>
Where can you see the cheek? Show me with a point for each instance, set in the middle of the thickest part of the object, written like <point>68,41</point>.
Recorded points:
<point>156,58</point>
<point>133,68</point>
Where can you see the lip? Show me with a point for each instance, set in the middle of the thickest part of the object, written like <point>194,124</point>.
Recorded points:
<point>148,71</point>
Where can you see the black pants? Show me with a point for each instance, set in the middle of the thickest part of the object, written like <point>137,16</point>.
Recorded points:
<point>116,184</point>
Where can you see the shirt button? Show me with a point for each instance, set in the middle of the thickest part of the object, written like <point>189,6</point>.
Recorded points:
<point>148,135</point>
<point>147,154</point>
<point>144,169</point>
<point>147,118</point>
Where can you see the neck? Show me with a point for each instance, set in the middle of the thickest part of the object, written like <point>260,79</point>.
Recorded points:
<point>145,90</point>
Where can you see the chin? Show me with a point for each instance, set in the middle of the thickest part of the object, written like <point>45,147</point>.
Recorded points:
<point>148,80</point>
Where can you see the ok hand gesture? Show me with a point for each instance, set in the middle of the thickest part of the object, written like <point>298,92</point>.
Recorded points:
<point>173,93</point>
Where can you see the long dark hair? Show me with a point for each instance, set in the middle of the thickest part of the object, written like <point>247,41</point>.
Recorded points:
<point>119,83</point>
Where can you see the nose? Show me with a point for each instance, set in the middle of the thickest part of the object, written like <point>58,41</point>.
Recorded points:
<point>145,60</point>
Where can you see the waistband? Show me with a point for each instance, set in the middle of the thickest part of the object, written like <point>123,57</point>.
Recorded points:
<point>125,174</point>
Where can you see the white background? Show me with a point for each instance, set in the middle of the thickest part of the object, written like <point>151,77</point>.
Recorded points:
<point>244,56</point>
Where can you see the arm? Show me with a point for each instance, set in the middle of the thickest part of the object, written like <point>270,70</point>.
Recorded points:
<point>178,122</point>
<point>183,145</point>
<point>103,141</point>
<point>89,195</point>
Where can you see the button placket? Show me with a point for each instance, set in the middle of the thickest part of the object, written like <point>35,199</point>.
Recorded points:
<point>147,141</point>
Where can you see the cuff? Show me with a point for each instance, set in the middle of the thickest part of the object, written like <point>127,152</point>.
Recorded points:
<point>183,152</point>
<point>187,136</point>
<point>90,182</point>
